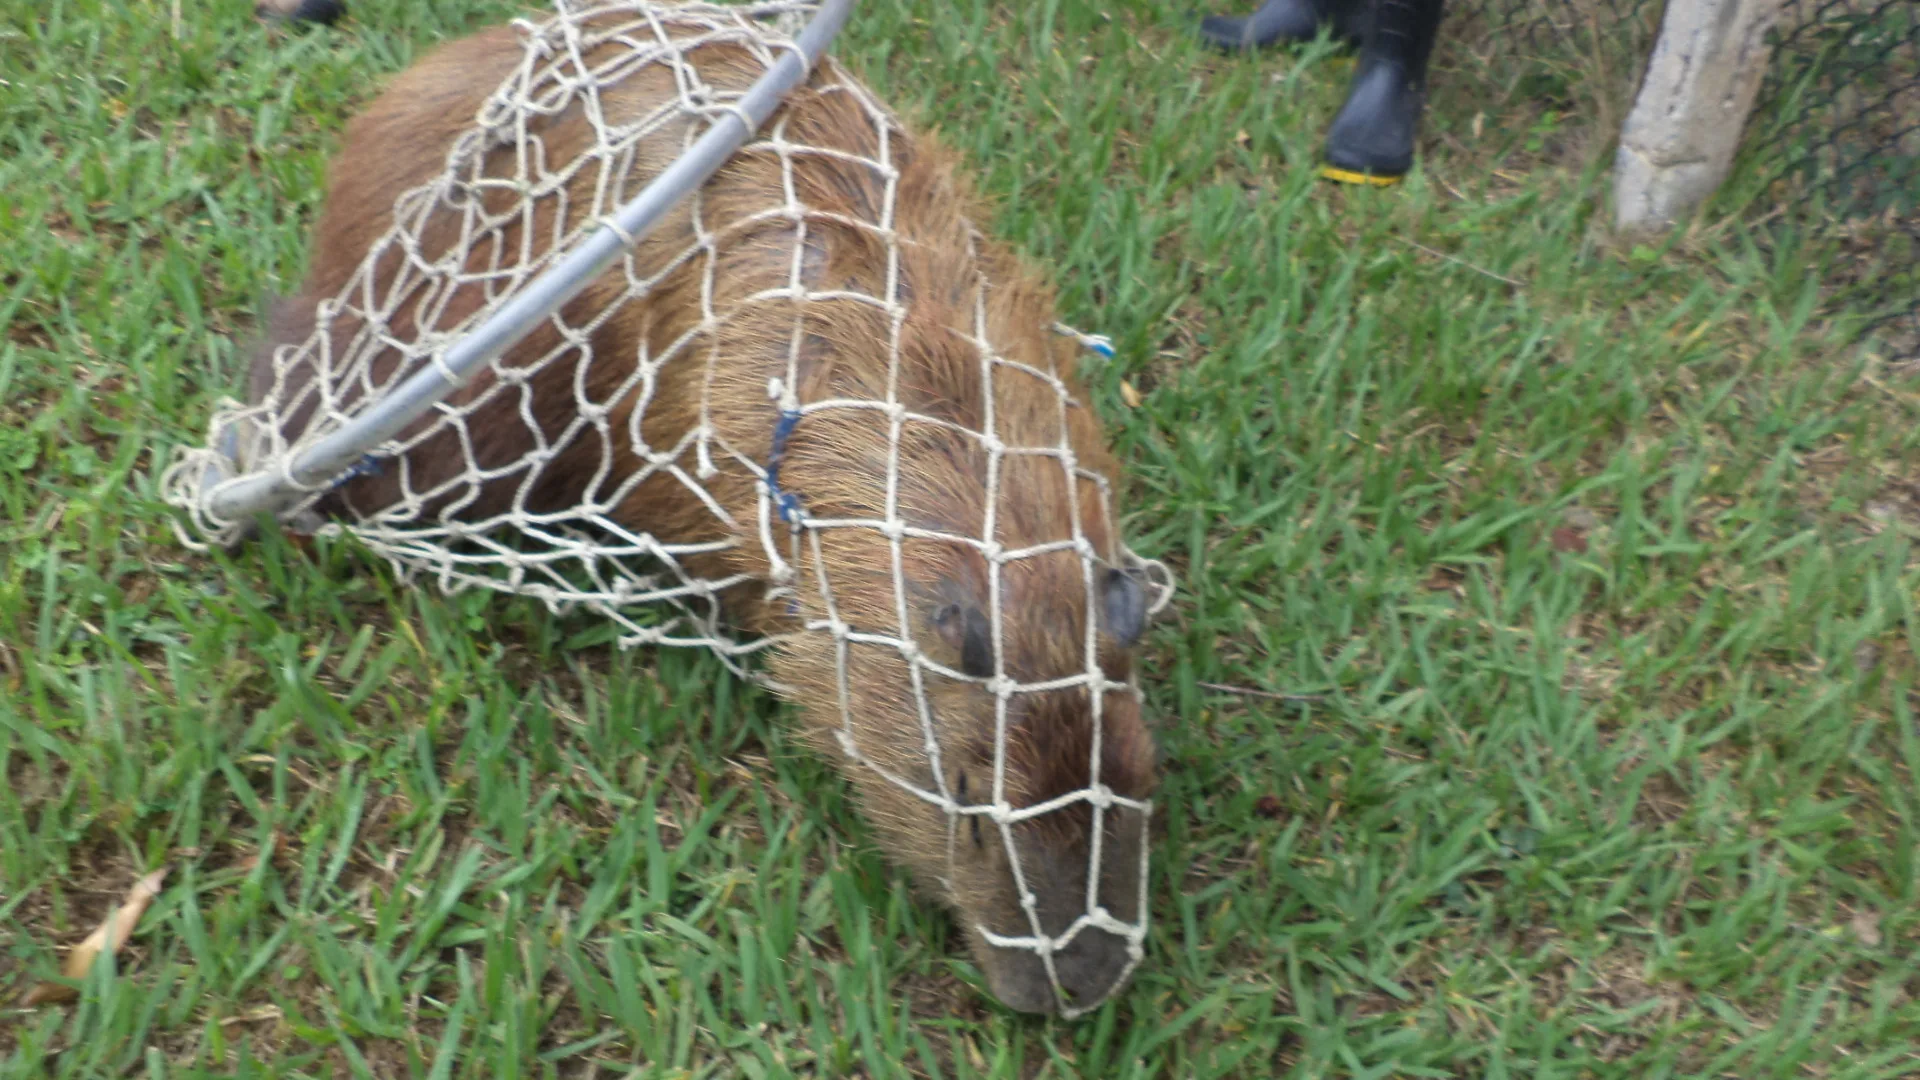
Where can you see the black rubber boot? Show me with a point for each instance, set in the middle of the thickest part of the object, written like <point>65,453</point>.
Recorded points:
<point>1371,140</point>
<point>325,12</point>
<point>1287,20</point>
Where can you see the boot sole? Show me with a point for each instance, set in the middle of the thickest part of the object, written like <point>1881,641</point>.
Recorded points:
<point>1347,176</point>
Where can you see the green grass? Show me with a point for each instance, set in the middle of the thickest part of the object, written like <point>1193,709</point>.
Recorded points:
<point>1598,557</point>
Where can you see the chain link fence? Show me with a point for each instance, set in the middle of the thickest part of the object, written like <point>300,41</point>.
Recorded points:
<point>1579,57</point>
<point>1541,32</point>
<point>1833,145</point>
<point>1836,137</point>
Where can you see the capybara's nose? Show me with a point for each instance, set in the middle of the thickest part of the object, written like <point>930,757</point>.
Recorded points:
<point>1089,969</point>
<point>1090,966</point>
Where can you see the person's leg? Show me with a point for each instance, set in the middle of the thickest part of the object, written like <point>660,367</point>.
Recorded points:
<point>1371,139</point>
<point>1286,20</point>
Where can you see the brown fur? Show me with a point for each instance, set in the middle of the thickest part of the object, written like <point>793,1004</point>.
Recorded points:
<point>835,462</point>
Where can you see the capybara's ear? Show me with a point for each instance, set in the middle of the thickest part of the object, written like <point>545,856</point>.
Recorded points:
<point>320,11</point>
<point>967,629</point>
<point>1125,604</point>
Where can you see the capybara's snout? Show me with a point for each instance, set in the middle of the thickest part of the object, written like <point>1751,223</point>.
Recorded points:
<point>1088,971</point>
<point>1086,943</point>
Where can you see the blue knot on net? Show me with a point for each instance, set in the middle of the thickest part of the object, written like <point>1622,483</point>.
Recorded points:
<point>788,503</point>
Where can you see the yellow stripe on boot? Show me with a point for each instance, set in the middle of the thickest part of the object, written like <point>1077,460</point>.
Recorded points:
<point>1345,176</point>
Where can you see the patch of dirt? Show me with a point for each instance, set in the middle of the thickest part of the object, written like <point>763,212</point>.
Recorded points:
<point>1662,802</point>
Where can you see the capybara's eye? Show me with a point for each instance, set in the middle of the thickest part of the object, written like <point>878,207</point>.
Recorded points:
<point>967,630</point>
<point>944,619</point>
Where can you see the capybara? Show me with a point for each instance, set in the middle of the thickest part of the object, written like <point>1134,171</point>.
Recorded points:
<point>960,617</point>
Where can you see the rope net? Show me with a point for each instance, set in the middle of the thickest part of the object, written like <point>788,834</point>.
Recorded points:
<point>526,480</point>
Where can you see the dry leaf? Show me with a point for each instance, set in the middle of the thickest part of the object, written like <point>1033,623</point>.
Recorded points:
<point>269,1012</point>
<point>1242,138</point>
<point>118,927</point>
<point>275,845</point>
<point>1129,395</point>
<point>1866,927</point>
<point>1866,657</point>
<point>1568,538</point>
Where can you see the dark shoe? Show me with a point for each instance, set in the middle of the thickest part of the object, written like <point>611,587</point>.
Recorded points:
<point>325,12</point>
<point>1371,139</point>
<point>1286,20</point>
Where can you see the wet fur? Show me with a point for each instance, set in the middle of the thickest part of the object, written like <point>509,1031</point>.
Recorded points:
<point>835,462</point>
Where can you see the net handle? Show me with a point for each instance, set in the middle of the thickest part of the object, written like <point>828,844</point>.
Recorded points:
<point>276,488</point>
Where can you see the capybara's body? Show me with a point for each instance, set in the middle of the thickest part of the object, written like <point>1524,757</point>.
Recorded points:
<point>976,462</point>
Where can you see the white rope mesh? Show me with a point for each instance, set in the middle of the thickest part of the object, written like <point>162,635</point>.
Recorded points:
<point>480,230</point>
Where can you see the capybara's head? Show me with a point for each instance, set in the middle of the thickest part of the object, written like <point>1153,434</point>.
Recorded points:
<point>977,663</point>
<point>1009,779</point>
<point>1044,838</point>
